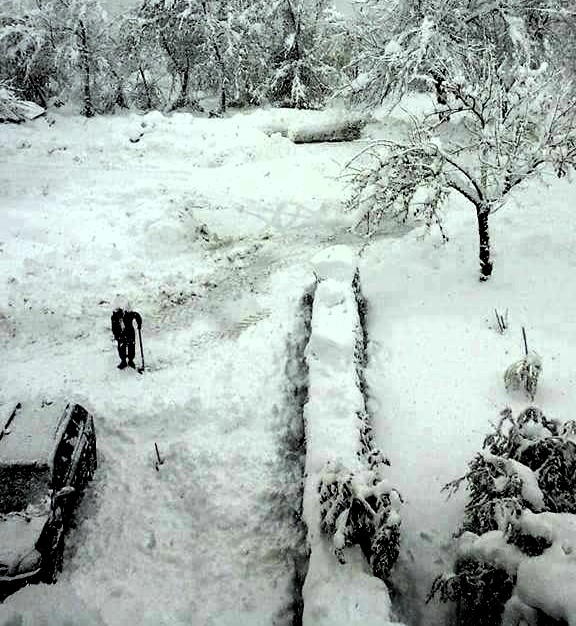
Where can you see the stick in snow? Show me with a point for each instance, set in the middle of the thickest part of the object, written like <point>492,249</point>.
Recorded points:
<point>525,342</point>
<point>159,461</point>
<point>141,369</point>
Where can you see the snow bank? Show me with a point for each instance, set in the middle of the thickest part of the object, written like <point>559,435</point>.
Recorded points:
<point>339,588</point>
<point>548,582</point>
<point>310,126</point>
<point>343,594</point>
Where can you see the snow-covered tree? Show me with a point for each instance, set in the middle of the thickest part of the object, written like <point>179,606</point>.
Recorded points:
<point>140,66</point>
<point>309,48</point>
<point>26,54</point>
<point>57,48</point>
<point>511,111</point>
<point>174,28</point>
<point>209,45</point>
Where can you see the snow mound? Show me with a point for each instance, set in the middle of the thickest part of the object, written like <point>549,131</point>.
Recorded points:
<point>204,142</point>
<point>12,109</point>
<point>336,262</point>
<point>547,583</point>
<point>345,594</point>
<point>342,485</point>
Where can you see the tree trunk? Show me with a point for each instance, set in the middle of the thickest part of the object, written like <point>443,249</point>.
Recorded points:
<point>482,213</point>
<point>222,71</point>
<point>184,82</point>
<point>146,88</point>
<point>88,109</point>
<point>120,100</point>
<point>184,79</point>
<point>213,36</point>
<point>223,103</point>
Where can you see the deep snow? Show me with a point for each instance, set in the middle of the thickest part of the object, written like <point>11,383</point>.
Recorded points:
<point>206,229</point>
<point>87,215</point>
<point>437,359</point>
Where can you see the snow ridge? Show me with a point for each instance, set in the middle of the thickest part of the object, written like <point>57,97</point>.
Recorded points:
<point>347,500</point>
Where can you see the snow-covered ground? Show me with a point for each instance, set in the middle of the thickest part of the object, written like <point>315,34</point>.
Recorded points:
<point>208,228</point>
<point>437,360</point>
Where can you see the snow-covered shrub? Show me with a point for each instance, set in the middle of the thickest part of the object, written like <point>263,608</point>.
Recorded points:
<point>526,470</point>
<point>523,374</point>
<point>360,509</point>
<point>480,589</point>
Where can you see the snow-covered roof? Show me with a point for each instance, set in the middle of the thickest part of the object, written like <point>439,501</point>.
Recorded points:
<point>31,435</point>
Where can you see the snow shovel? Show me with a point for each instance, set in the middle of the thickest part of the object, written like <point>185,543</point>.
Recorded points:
<point>142,367</point>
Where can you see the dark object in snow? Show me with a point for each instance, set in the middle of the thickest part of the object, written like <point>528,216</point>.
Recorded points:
<point>501,321</point>
<point>159,460</point>
<point>142,366</point>
<point>47,458</point>
<point>342,130</point>
<point>122,322</point>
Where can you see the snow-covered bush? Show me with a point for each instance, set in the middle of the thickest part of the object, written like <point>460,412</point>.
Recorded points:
<point>523,375</point>
<point>360,509</point>
<point>526,471</point>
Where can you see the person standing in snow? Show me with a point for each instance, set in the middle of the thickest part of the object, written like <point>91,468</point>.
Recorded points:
<point>124,333</point>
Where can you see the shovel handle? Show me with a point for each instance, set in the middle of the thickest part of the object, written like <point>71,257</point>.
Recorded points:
<point>141,348</point>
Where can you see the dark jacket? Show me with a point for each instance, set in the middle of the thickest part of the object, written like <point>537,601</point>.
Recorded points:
<point>123,324</point>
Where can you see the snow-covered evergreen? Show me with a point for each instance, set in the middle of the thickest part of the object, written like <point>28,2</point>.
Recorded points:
<point>524,473</point>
